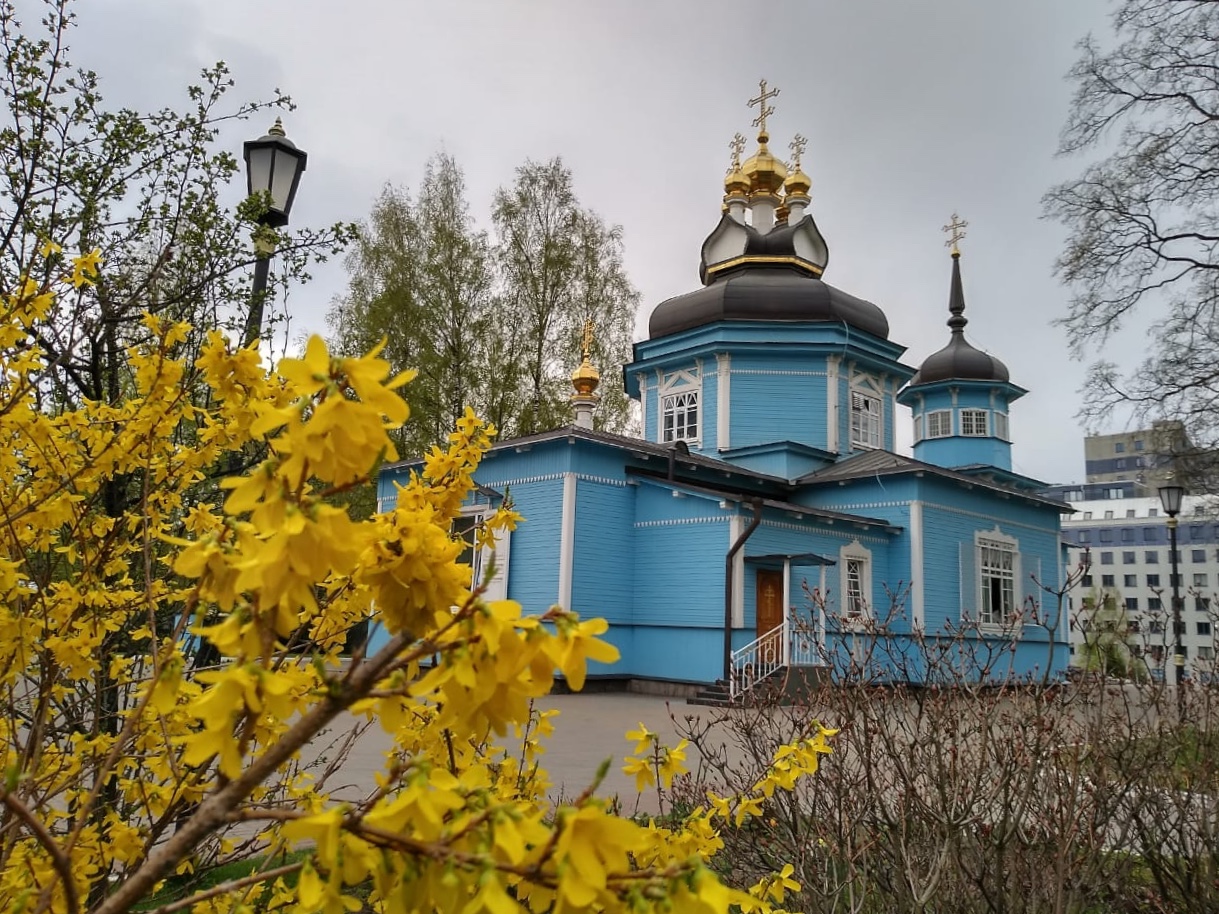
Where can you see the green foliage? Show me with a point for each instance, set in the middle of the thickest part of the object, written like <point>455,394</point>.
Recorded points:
<point>493,323</point>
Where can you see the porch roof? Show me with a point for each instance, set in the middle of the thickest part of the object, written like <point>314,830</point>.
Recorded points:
<point>795,558</point>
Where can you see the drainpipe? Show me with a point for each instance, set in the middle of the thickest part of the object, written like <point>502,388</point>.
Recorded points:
<point>728,566</point>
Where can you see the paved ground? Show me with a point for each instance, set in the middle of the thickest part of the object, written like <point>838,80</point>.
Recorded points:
<point>589,729</point>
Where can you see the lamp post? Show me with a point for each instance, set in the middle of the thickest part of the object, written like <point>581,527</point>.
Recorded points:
<point>1171,496</point>
<point>273,166</point>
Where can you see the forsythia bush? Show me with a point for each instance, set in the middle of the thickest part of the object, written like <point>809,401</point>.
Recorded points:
<point>117,556</point>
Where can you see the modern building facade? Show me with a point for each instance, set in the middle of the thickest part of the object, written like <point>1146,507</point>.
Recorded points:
<point>1125,544</point>
<point>763,522</point>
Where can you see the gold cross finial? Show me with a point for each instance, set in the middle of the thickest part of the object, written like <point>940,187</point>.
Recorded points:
<point>588,339</point>
<point>797,146</point>
<point>764,110</point>
<point>737,145</point>
<point>955,229</point>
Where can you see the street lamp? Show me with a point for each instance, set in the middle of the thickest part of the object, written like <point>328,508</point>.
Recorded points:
<point>273,167</point>
<point>1171,496</point>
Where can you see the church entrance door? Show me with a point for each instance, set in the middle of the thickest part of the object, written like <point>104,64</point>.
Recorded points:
<point>770,600</point>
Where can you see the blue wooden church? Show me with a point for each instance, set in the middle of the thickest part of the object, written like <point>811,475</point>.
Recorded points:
<point>764,522</point>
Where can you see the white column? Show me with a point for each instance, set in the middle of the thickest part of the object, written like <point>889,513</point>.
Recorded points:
<point>763,210</point>
<point>831,404</point>
<point>917,620</point>
<point>736,526</point>
<point>787,599</point>
<point>567,540</point>
<point>643,405</point>
<point>723,385</point>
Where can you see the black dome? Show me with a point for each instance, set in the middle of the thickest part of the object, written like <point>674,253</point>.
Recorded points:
<point>766,293</point>
<point>959,361</point>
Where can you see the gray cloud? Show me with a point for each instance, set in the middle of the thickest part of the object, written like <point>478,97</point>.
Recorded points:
<point>912,111</point>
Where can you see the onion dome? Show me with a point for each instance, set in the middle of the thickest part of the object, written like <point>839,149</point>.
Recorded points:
<point>765,172</point>
<point>585,379</point>
<point>797,183</point>
<point>959,361</point>
<point>736,184</point>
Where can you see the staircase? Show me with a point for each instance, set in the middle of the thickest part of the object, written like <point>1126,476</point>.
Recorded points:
<point>759,670</point>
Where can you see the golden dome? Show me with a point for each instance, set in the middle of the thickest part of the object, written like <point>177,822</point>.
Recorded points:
<point>736,184</point>
<point>765,173</point>
<point>798,183</point>
<point>585,379</point>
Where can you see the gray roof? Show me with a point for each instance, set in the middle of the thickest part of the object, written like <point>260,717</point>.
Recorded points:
<point>870,464</point>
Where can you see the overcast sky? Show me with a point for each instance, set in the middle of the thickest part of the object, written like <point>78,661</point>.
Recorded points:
<point>912,111</point>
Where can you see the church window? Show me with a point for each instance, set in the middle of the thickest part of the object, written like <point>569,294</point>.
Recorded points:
<point>855,562</point>
<point>973,423</point>
<point>998,570</point>
<point>865,419</point>
<point>939,423</point>
<point>918,429</point>
<point>1001,428</point>
<point>465,528</point>
<point>680,416</point>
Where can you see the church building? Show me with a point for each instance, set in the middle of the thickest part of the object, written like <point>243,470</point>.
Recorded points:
<point>763,522</point>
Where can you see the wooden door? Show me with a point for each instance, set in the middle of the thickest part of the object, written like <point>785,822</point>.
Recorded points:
<point>770,600</point>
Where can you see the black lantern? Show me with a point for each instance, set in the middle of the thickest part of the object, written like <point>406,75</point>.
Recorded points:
<point>1170,499</point>
<point>274,165</point>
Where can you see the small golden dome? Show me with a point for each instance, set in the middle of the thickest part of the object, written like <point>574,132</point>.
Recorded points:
<point>585,379</point>
<point>736,184</point>
<point>798,183</point>
<point>765,172</point>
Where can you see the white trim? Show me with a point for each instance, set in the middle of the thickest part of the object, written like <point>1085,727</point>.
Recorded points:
<point>567,540</point>
<point>855,551</point>
<point>940,415</point>
<point>917,613</point>
<point>787,600</point>
<point>643,404</point>
<point>678,522</point>
<point>831,404</point>
<point>723,385</point>
<point>736,526</point>
<point>997,538</point>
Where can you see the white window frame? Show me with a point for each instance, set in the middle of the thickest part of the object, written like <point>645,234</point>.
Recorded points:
<point>679,395</point>
<point>1002,426</point>
<point>675,411</point>
<point>867,424</point>
<point>998,575</point>
<point>975,423</point>
<point>480,559</point>
<point>918,428</point>
<point>939,423</point>
<point>855,584</point>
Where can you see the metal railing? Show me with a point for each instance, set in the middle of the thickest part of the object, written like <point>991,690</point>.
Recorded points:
<point>757,660</point>
<point>787,644</point>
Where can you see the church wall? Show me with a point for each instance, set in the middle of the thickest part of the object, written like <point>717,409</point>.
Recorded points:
<point>679,572</point>
<point>603,567</point>
<point>778,398</point>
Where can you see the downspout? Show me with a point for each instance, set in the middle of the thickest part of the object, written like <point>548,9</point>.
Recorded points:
<point>728,582</point>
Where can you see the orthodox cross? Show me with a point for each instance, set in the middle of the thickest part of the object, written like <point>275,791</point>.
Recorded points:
<point>797,146</point>
<point>764,110</point>
<point>588,339</point>
<point>737,145</point>
<point>955,229</point>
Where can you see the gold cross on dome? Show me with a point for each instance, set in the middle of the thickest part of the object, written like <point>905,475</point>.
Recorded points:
<point>797,146</point>
<point>737,145</point>
<point>955,229</point>
<point>764,110</point>
<point>588,339</point>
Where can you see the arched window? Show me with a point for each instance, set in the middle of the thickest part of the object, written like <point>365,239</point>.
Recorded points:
<point>855,585</point>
